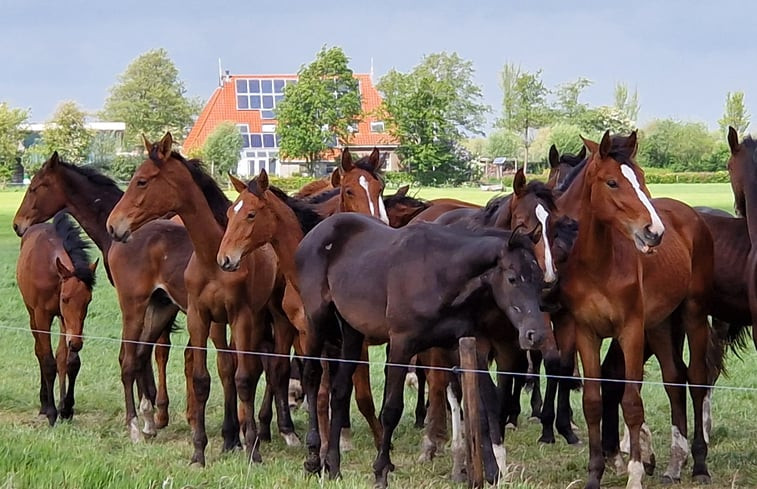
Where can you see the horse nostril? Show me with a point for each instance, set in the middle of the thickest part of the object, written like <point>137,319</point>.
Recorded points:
<point>15,228</point>
<point>530,335</point>
<point>651,236</point>
<point>111,231</point>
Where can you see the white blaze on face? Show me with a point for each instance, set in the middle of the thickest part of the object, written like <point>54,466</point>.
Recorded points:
<point>381,209</point>
<point>549,274</point>
<point>657,227</point>
<point>238,206</point>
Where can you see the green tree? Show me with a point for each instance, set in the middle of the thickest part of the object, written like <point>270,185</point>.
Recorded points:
<point>222,148</point>
<point>322,105</point>
<point>66,134</point>
<point>150,98</point>
<point>627,104</point>
<point>504,143</point>
<point>430,111</point>
<point>680,146</point>
<point>524,105</point>
<point>735,114</point>
<point>568,107</point>
<point>11,136</point>
<point>597,120</point>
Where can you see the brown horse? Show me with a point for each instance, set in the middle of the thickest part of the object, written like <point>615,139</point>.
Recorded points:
<point>149,295</point>
<point>263,215</point>
<point>623,280</point>
<point>166,183</point>
<point>560,165</point>
<point>56,278</point>
<point>742,167</point>
<point>422,300</point>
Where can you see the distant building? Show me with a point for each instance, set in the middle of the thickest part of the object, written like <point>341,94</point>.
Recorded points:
<point>250,102</point>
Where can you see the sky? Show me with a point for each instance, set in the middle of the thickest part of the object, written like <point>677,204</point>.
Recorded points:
<point>681,56</point>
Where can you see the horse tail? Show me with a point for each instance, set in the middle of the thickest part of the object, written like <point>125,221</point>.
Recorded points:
<point>717,344</point>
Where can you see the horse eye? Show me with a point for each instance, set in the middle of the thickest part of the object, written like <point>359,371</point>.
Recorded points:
<point>612,184</point>
<point>348,192</point>
<point>251,215</point>
<point>65,300</point>
<point>511,280</point>
<point>141,183</point>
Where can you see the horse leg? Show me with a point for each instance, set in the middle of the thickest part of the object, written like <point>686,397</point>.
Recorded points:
<point>588,347</point>
<point>226,364</point>
<point>312,373</point>
<point>435,433</point>
<point>353,347</point>
<point>632,344</point>
<point>534,366</point>
<point>564,386</point>
<point>132,327</point>
<point>68,369</point>
<point>364,397</point>
<point>459,448</point>
<point>701,358</point>
<point>198,325</point>
<point>392,408</point>
<point>517,382</point>
<point>420,404</point>
<point>162,350</point>
<point>613,369</point>
<point>40,323</point>
<point>283,336</point>
<point>248,334</point>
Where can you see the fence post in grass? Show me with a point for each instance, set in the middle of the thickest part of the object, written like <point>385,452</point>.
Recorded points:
<point>475,464</point>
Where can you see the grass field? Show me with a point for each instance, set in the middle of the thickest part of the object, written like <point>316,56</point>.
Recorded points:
<point>93,451</point>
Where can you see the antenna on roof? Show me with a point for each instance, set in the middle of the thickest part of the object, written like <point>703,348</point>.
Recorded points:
<point>371,69</point>
<point>220,73</point>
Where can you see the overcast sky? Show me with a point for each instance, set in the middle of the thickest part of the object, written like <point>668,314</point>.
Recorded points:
<point>682,56</point>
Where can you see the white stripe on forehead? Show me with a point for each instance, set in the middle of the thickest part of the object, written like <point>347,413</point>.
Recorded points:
<point>238,206</point>
<point>382,210</point>
<point>364,183</point>
<point>549,273</point>
<point>657,226</point>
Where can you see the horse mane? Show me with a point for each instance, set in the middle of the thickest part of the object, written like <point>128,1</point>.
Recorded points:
<point>76,248</point>
<point>749,142</point>
<point>571,159</point>
<point>93,176</point>
<point>217,200</point>
<point>542,192</point>
<point>404,199</point>
<point>619,151</point>
<point>363,164</point>
<point>487,214</point>
<point>572,175</point>
<point>306,214</point>
<point>322,197</point>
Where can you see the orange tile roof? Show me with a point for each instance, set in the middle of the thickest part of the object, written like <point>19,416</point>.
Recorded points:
<point>222,106</point>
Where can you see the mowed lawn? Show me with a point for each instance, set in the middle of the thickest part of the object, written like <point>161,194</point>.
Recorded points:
<point>93,451</point>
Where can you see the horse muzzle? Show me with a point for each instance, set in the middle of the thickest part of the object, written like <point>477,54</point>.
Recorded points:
<point>119,232</point>
<point>228,264</point>
<point>646,239</point>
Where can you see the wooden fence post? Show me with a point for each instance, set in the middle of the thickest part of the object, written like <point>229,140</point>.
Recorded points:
<point>468,363</point>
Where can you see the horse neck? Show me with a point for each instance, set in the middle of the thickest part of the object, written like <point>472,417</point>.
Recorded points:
<point>286,237</point>
<point>750,203</point>
<point>90,204</point>
<point>569,201</point>
<point>203,229</point>
<point>329,207</point>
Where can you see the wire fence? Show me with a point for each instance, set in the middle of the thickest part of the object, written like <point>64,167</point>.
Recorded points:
<point>453,369</point>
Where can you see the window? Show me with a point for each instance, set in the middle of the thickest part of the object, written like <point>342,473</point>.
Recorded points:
<point>377,126</point>
<point>261,94</point>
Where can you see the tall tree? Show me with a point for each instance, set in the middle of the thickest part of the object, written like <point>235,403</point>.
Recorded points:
<point>222,148</point>
<point>735,114</point>
<point>66,134</point>
<point>11,136</point>
<point>568,107</point>
<point>320,107</point>
<point>524,105</point>
<point>626,103</point>
<point>430,111</point>
<point>150,98</point>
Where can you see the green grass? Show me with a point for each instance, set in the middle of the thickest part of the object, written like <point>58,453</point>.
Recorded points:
<point>93,451</point>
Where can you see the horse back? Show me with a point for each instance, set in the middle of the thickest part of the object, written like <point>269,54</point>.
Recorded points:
<point>36,272</point>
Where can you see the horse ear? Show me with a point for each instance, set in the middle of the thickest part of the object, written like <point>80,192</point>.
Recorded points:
<point>469,289</point>
<point>165,145</point>
<point>519,182</point>
<point>148,144</point>
<point>263,180</point>
<point>582,153</point>
<point>238,184</point>
<point>93,266</point>
<point>336,178</point>
<point>605,145</point>
<point>590,145</point>
<point>63,271</point>
<point>402,191</point>
<point>54,160</point>
<point>554,157</point>
<point>733,140</point>
<point>375,159</point>
<point>346,164</point>
<point>633,143</point>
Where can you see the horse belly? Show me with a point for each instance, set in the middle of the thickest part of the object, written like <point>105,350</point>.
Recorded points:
<point>666,283</point>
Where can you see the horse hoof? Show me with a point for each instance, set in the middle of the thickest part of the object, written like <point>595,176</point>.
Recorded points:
<point>572,439</point>
<point>547,439</point>
<point>197,463</point>
<point>702,478</point>
<point>149,433</point>
<point>666,479</point>
<point>313,464</point>
<point>650,466</point>
<point>161,420</point>
<point>511,426</point>
<point>534,419</point>
<point>460,477</point>
<point>264,435</point>
<point>291,439</point>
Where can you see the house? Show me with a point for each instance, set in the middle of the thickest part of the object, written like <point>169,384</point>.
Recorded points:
<point>250,102</point>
